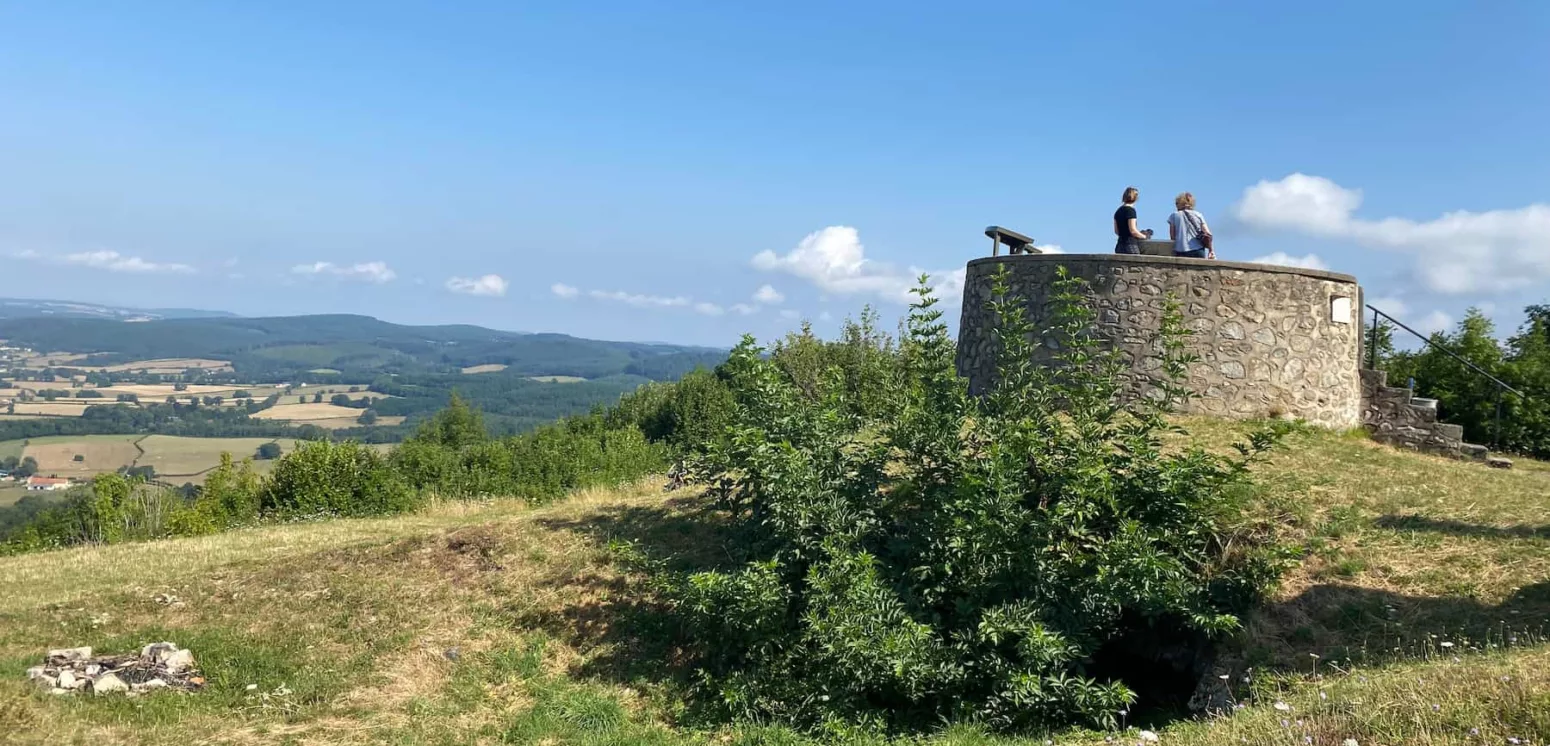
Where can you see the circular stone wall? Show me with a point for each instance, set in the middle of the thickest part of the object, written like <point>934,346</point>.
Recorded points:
<point>1271,340</point>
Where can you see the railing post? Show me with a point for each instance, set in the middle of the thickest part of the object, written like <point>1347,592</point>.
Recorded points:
<point>1372,343</point>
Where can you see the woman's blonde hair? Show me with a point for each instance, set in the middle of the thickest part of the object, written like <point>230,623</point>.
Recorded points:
<point>1184,201</point>
<point>1131,193</point>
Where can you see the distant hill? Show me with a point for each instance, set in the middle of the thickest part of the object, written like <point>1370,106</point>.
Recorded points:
<point>355,346</point>
<point>24,307</point>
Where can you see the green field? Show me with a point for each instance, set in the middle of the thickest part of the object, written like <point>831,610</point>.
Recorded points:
<point>176,459</point>
<point>1415,616</point>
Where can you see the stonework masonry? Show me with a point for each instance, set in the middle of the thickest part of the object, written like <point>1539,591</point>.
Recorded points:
<point>1272,341</point>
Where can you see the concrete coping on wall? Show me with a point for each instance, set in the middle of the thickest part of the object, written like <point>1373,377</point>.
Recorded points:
<point>1168,261</point>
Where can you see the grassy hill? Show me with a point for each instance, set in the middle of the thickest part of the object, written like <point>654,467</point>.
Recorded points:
<point>1416,618</point>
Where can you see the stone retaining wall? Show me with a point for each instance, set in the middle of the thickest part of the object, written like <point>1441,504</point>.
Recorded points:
<point>1271,340</point>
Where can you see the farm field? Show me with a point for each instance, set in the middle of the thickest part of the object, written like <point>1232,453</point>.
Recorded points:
<point>172,456</point>
<point>177,459</point>
<point>171,366</point>
<point>100,453</point>
<point>490,368</point>
<point>330,416</point>
<point>10,492</point>
<point>61,408</point>
<point>556,379</point>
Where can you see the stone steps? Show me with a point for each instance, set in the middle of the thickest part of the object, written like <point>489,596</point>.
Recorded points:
<point>1396,416</point>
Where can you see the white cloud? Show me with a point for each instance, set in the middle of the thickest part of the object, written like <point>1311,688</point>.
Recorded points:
<point>1308,261</point>
<point>768,294</point>
<point>744,309</point>
<point>1436,321</point>
<point>639,301</point>
<point>1457,252</point>
<point>377,272</point>
<point>790,314</point>
<point>709,309</point>
<point>1390,305</point>
<point>113,261</point>
<point>492,285</point>
<point>1051,248</point>
<point>825,316</point>
<point>834,260</point>
<point>563,290</point>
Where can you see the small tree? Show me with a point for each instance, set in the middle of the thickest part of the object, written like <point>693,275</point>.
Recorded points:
<point>317,398</point>
<point>368,418</point>
<point>27,468</point>
<point>936,556</point>
<point>268,452</point>
<point>340,400</point>
<point>456,426</point>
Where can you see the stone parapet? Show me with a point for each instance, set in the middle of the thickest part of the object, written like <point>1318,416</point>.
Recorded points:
<point>1272,341</point>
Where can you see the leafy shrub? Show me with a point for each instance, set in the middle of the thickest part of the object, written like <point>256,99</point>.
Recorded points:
<point>934,556</point>
<point>344,479</point>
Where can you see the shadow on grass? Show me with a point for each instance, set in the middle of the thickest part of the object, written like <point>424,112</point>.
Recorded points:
<point>1459,528</point>
<point>1369,626</point>
<point>626,631</point>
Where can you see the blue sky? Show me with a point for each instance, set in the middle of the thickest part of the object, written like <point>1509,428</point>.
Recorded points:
<point>645,170</point>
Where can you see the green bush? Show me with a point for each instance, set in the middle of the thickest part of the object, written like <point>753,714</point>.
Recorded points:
<point>340,479</point>
<point>934,556</point>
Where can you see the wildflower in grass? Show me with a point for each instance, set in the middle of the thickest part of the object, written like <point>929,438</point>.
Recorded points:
<point>1283,707</point>
<point>1350,742</point>
<point>1447,644</point>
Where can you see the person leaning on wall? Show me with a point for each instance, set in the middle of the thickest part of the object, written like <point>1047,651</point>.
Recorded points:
<point>1188,230</point>
<point>1125,230</point>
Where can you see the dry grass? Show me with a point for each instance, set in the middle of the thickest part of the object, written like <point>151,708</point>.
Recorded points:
<point>487,368</point>
<point>101,453</point>
<point>176,456</point>
<point>168,365</point>
<point>159,391</point>
<point>495,623</point>
<point>308,412</point>
<point>61,408</point>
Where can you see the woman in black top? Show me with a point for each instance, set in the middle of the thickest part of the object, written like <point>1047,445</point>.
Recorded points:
<point>1125,225</point>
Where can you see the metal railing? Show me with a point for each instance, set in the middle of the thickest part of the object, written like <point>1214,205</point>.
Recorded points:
<point>1501,386</point>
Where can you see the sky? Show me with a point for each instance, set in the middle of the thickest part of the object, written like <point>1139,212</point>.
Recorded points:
<point>691,171</point>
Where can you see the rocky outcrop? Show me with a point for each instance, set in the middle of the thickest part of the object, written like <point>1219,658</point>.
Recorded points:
<point>160,665</point>
<point>1395,416</point>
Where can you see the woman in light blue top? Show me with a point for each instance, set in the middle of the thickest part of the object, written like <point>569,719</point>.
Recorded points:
<point>1191,236</point>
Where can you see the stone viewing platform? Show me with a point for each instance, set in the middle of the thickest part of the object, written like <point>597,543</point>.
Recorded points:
<point>1272,340</point>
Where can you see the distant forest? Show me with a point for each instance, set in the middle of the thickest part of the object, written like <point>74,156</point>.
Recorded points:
<point>417,367</point>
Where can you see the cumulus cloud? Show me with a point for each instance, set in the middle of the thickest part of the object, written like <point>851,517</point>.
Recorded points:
<point>377,272</point>
<point>1436,321</point>
<point>834,260</point>
<point>1457,252</point>
<point>1308,261</point>
<point>1390,305</point>
<point>563,290</point>
<point>708,309</point>
<point>768,294</point>
<point>825,316</point>
<point>744,309</point>
<point>491,285</point>
<point>1050,248</point>
<point>639,301</point>
<point>112,261</point>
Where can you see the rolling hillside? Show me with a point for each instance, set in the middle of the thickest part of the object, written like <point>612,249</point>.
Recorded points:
<point>285,345</point>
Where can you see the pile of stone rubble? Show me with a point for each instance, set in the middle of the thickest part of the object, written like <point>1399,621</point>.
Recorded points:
<point>158,666</point>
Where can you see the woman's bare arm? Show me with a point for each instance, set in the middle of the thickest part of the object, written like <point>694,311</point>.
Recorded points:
<point>1133,232</point>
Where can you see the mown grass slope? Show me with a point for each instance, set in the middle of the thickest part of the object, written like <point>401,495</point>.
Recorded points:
<point>1416,618</point>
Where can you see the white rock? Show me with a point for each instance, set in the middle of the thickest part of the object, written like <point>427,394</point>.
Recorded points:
<point>153,685</point>
<point>1349,742</point>
<point>57,690</point>
<point>71,654</point>
<point>67,680</point>
<point>93,669</point>
<point>158,651</point>
<point>37,672</point>
<point>1148,736</point>
<point>178,661</point>
<point>108,684</point>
